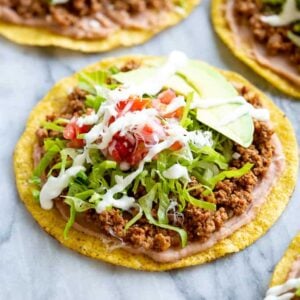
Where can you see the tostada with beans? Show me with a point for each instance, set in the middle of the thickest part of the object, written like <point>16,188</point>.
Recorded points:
<point>89,25</point>
<point>265,34</point>
<point>285,283</point>
<point>156,163</point>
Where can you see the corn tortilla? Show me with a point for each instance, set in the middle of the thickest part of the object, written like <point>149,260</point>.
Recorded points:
<point>124,37</point>
<point>284,266</point>
<point>222,29</point>
<point>52,222</point>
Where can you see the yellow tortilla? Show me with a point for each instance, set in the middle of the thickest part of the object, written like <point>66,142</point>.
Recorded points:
<point>124,37</point>
<point>224,32</point>
<point>52,222</point>
<point>284,266</point>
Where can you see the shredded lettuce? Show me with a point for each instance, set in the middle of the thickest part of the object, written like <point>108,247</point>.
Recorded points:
<point>71,219</point>
<point>79,205</point>
<point>49,143</point>
<point>78,184</point>
<point>297,293</point>
<point>94,101</point>
<point>36,195</point>
<point>135,218</point>
<point>35,180</point>
<point>230,174</point>
<point>210,155</point>
<point>163,204</point>
<point>46,160</point>
<point>88,81</point>
<point>52,126</point>
<point>96,177</point>
<point>184,196</point>
<point>92,82</point>
<point>185,120</point>
<point>146,203</point>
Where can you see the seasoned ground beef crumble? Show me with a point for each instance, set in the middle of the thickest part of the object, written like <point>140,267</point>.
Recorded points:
<point>232,196</point>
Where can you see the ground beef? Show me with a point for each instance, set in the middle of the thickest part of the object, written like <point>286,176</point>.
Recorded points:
<point>130,65</point>
<point>232,196</point>
<point>274,38</point>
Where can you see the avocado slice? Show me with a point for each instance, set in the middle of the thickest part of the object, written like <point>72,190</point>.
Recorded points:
<point>211,84</point>
<point>206,83</point>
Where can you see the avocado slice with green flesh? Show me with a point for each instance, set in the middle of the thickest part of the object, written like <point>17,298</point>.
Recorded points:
<point>206,83</point>
<point>211,84</point>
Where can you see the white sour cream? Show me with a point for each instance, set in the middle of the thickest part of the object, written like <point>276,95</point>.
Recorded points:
<point>55,185</point>
<point>260,114</point>
<point>87,120</point>
<point>289,14</point>
<point>211,102</point>
<point>281,292</point>
<point>177,171</point>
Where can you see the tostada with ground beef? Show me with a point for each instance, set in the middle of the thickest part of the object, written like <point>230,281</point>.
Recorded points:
<point>285,283</point>
<point>156,163</point>
<point>265,34</point>
<point>89,26</point>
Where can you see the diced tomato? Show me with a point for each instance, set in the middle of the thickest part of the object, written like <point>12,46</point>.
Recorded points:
<point>111,120</point>
<point>175,114</point>
<point>176,146</point>
<point>147,130</point>
<point>71,131</point>
<point>122,148</point>
<point>167,96</point>
<point>76,143</point>
<point>121,105</point>
<point>139,153</point>
<point>139,104</point>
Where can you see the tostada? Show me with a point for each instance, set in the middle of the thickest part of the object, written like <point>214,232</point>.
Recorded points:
<point>89,25</point>
<point>156,163</point>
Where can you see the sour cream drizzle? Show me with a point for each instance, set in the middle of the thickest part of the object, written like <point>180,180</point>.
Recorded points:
<point>177,171</point>
<point>289,14</point>
<point>281,292</point>
<point>260,114</point>
<point>54,186</point>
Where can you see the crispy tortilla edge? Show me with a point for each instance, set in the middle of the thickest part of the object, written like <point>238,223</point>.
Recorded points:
<point>122,38</point>
<point>283,268</point>
<point>222,29</point>
<point>52,222</point>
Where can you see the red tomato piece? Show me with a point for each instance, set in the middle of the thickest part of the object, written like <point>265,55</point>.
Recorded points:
<point>139,153</point>
<point>71,131</point>
<point>139,104</point>
<point>121,105</point>
<point>175,114</point>
<point>167,96</point>
<point>122,149</point>
<point>176,146</point>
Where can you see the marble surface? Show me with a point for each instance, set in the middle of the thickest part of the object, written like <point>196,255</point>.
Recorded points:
<point>35,266</point>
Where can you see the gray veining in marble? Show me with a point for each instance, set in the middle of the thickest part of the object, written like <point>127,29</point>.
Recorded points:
<point>35,266</point>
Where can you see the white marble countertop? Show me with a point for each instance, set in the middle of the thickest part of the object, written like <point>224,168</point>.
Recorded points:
<point>35,266</point>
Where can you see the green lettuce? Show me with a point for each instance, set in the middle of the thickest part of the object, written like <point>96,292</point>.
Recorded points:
<point>230,174</point>
<point>146,203</point>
